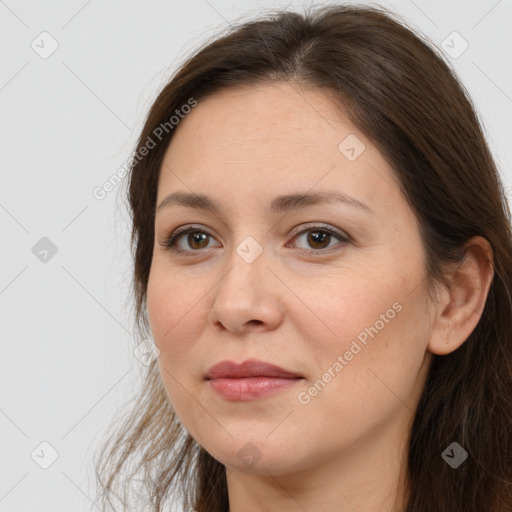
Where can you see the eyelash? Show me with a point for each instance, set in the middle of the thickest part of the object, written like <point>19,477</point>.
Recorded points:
<point>171,240</point>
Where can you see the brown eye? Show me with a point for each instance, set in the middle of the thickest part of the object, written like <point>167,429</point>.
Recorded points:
<point>318,238</point>
<point>196,240</point>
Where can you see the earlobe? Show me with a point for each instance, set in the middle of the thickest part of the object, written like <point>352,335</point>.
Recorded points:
<point>460,309</point>
<point>442,342</point>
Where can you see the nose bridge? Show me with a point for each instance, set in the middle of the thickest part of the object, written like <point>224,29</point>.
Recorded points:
<point>245,293</point>
<point>246,265</point>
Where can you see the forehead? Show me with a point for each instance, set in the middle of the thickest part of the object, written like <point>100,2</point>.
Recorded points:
<point>281,115</point>
<point>270,139</point>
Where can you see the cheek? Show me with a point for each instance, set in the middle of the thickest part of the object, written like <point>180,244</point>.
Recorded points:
<point>173,318</point>
<point>159,304</point>
<point>350,308</point>
<point>176,313</point>
<point>382,351</point>
<point>375,325</point>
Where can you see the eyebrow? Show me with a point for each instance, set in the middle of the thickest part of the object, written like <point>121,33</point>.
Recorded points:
<point>280,204</point>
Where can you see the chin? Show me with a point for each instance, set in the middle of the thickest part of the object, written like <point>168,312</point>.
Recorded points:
<point>256,455</point>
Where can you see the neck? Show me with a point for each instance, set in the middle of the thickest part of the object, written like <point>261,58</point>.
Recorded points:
<point>367,476</point>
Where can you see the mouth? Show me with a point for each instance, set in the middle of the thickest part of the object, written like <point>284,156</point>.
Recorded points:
<point>250,380</point>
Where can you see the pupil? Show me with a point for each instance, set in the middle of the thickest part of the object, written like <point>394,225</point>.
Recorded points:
<point>318,234</point>
<point>195,235</point>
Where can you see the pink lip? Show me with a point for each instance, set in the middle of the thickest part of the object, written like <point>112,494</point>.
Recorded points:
<point>250,380</point>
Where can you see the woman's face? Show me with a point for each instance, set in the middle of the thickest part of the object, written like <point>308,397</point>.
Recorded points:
<point>331,291</point>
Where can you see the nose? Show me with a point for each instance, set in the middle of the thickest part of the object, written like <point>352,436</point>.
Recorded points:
<point>247,297</point>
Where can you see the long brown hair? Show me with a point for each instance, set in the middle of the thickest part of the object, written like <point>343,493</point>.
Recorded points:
<point>398,90</point>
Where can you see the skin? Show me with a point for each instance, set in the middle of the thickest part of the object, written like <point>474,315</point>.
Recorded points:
<point>344,450</point>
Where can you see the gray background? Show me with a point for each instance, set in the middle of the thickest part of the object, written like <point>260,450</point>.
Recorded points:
<point>69,121</point>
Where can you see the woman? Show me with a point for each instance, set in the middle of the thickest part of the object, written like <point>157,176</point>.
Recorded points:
<point>322,253</point>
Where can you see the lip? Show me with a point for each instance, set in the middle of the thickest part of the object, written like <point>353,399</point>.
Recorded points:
<point>249,368</point>
<point>249,380</point>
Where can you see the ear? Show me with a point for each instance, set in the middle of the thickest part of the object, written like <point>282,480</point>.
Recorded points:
<point>459,308</point>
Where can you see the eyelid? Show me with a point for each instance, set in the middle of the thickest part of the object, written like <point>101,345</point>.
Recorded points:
<point>320,226</point>
<point>188,227</point>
